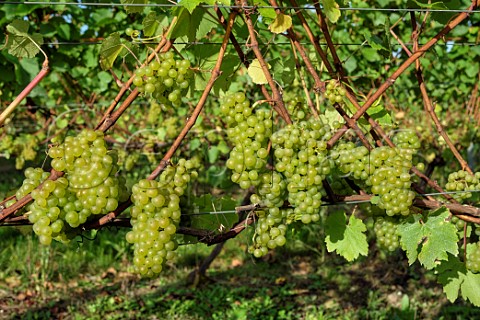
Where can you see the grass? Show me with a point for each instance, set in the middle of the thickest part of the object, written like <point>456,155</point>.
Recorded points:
<point>92,280</point>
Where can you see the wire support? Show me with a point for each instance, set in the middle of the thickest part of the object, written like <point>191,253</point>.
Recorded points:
<point>172,5</point>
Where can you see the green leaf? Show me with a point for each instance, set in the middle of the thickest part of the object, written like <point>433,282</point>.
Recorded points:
<point>20,43</point>
<point>350,240</point>
<point>284,70</point>
<point>215,222</point>
<point>331,115</point>
<point>435,236</point>
<point>350,64</point>
<point>61,123</point>
<point>190,5</point>
<point>195,144</point>
<point>134,9</point>
<point>30,66</point>
<point>255,72</point>
<point>331,10</point>
<point>281,23</point>
<point>110,49</point>
<point>455,278</point>
<point>193,26</point>
<point>150,24</point>
<point>380,114</point>
<point>378,44</point>
<point>206,58</point>
<point>223,147</point>
<point>64,31</point>
<point>105,79</point>
<point>268,13</point>
<point>213,154</point>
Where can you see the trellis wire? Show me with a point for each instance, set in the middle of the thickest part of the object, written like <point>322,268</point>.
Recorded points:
<point>171,5</point>
<point>471,44</point>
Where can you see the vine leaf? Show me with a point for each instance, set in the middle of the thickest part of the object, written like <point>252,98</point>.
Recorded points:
<point>191,26</point>
<point>332,10</point>
<point>151,24</point>
<point>283,69</point>
<point>281,23</point>
<point>20,43</point>
<point>380,45</point>
<point>214,222</point>
<point>110,49</point>
<point>265,11</point>
<point>348,240</point>
<point>330,115</point>
<point>206,58</point>
<point>190,5</point>
<point>429,241</point>
<point>455,278</point>
<point>256,73</point>
<point>134,9</point>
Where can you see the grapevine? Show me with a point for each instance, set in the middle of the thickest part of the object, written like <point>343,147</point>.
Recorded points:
<point>291,156</point>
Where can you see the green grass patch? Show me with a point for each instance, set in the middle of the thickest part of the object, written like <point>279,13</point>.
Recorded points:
<point>92,280</point>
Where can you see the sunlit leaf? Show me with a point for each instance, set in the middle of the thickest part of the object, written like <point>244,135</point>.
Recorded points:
<point>281,23</point>
<point>255,72</point>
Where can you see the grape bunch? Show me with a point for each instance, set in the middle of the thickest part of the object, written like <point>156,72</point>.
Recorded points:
<point>300,152</point>
<point>334,92</point>
<point>407,140</point>
<point>21,147</point>
<point>384,169</point>
<point>90,169</point>
<point>270,231</point>
<point>386,232</point>
<point>165,79</point>
<point>33,178</point>
<point>473,257</point>
<point>88,187</point>
<point>155,216</point>
<point>249,131</point>
<point>462,181</point>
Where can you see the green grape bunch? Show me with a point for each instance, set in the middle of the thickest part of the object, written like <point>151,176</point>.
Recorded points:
<point>249,131</point>
<point>88,188</point>
<point>462,182</point>
<point>384,170</point>
<point>155,217</point>
<point>385,229</point>
<point>334,92</point>
<point>165,79</point>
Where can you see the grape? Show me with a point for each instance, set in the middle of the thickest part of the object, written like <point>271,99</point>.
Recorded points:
<point>386,232</point>
<point>249,132</point>
<point>473,257</point>
<point>296,106</point>
<point>129,32</point>
<point>155,216</point>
